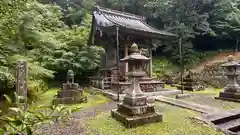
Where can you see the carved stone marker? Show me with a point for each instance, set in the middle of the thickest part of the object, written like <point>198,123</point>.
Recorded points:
<point>135,109</point>
<point>21,84</point>
<point>70,92</point>
<point>232,89</point>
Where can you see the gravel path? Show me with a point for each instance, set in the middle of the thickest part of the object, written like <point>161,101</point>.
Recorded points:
<point>76,124</point>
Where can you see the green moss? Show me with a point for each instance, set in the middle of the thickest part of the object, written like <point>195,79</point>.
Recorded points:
<point>47,97</point>
<point>170,87</point>
<point>211,91</point>
<point>93,100</point>
<point>176,121</point>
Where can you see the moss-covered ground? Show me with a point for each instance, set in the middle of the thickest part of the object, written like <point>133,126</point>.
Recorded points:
<point>207,97</point>
<point>176,122</point>
<point>93,99</point>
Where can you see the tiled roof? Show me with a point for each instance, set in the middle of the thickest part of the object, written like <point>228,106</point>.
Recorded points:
<point>108,18</point>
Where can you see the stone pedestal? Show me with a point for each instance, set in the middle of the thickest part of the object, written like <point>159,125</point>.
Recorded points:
<point>135,110</point>
<point>232,89</point>
<point>70,94</point>
<point>189,83</point>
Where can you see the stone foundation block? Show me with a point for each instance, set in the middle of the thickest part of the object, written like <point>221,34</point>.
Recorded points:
<point>235,97</point>
<point>135,110</point>
<point>131,122</point>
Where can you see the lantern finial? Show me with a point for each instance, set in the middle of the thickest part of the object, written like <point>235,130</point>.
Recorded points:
<point>230,58</point>
<point>134,48</point>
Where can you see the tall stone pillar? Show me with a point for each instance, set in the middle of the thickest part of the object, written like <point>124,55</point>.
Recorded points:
<point>150,62</point>
<point>21,84</point>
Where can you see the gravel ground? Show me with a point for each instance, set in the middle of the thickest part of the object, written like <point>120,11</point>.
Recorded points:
<point>76,124</point>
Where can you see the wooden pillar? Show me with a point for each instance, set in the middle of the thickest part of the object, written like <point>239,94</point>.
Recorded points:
<point>150,62</point>
<point>125,55</point>
<point>117,58</point>
<point>106,55</point>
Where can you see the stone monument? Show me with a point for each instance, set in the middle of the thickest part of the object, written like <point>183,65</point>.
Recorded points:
<point>70,92</point>
<point>232,89</point>
<point>135,109</point>
<point>21,84</point>
<point>189,83</point>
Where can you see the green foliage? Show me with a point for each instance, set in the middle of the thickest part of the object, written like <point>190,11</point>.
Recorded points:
<point>162,67</point>
<point>35,32</point>
<point>226,20</point>
<point>28,121</point>
<point>53,38</point>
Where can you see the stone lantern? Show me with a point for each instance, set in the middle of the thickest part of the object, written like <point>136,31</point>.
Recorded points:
<point>232,89</point>
<point>135,110</point>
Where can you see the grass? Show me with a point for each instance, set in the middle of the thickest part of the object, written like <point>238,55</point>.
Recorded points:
<point>176,122</point>
<point>210,91</point>
<point>93,100</point>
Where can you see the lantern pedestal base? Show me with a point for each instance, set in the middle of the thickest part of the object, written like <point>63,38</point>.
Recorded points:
<point>235,97</point>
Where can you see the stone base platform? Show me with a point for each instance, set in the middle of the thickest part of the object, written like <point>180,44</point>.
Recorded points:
<point>134,121</point>
<point>234,97</point>
<point>70,100</point>
<point>190,88</point>
<point>227,121</point>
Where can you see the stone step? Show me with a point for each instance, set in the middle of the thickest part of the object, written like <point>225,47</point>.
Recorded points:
<point>237,133</point>
<point>221,115</point>
<point>235,129</point>
<point>228,99</point>
<point>231,124</point>
<point>227,121</point>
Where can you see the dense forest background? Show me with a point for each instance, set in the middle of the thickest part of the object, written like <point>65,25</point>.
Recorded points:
<point>51,35</point>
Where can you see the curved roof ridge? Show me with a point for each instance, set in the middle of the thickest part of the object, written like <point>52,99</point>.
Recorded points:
<point>166,32</point>
<point>119,13</point>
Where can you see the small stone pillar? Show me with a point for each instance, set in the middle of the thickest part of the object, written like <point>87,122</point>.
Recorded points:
<point>21,84</point>
<point>135,110</point>
<point>232,89</point>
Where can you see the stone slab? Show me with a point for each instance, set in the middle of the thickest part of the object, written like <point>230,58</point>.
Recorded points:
<point>230,124</point>
<point>68,93</point>
<point>227,121</point>
<point>188,105</point>
<point>135,110</point>
<point>182,96</point>
<point>70,100</point>
<point>131,122</point>
<point>220,115</point>
<point>234,97</point>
